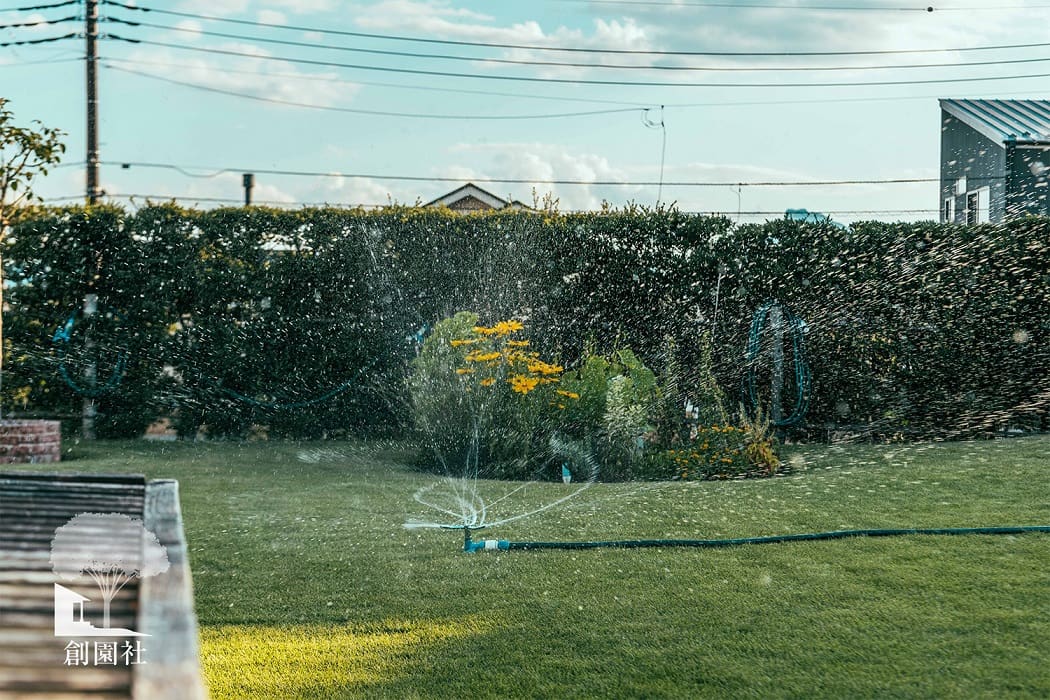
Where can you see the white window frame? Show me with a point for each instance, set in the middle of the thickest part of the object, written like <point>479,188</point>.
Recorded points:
<point>981,214</point>
<point>948,210</point>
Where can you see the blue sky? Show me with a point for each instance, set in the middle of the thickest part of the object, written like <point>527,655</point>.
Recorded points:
<point>164,101</point>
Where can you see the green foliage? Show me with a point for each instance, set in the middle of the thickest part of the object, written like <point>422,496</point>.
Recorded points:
<point>447,422</point>
<point>25,152</point>
<point>922,329</point>
<point>615,413</point>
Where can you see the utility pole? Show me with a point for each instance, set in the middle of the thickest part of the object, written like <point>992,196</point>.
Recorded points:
<point>249,182</point>
<point>91,33</point>
<point>88,409</point>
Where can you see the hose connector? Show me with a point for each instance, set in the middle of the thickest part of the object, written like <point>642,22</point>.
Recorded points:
<point>470,545</point>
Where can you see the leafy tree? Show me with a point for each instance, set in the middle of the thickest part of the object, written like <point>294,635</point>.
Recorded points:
<point>111,548</point>
<point>25,152</point>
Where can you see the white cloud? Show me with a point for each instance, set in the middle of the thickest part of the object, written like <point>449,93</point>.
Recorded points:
<point>363,191</point>
<point>303,7</point>
<point>271,17</point>
<point>537,164</point>
<point>222,8</point>
<point>189,29</point>
<point>230,186</point>
<point>253,75</point>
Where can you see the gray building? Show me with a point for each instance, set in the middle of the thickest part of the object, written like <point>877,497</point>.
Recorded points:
<point>995,159</point>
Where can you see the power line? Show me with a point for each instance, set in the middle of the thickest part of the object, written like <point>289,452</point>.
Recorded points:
<point>230,200</point>
<point>927,9</point>
<point>372,112</point>
<point>494,93</point>
<point>567,64</point>
<point>751,6</point>
<point>38,22</point>
<point>571,49</point>
<point>31,8</point>
<point>48,40</point>
<point>572,81</point>
<point>350,205</point>
<point>526,181</point>
<point>39,62</point>
<point>399,86</point>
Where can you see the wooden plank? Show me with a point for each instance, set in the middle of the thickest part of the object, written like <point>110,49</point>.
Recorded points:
<point>60,477</point>
<point>32,659</point>
<point>166,610</point>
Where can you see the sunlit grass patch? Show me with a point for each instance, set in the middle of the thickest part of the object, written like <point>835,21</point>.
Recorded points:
<point>319,661</point>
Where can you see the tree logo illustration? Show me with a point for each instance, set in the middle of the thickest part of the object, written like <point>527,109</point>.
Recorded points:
<point>110,548</point>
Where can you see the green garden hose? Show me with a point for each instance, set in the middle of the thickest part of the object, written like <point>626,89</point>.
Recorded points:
<point>61,339</point>
<point>470,545</point>
<point>284,406</point>
<point>796,327</point>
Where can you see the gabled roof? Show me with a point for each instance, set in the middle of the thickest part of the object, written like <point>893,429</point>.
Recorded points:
<point>1004,120</point>
<point>469,190</point>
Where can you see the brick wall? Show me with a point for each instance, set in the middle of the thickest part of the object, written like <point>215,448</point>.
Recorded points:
<point>30,441</point>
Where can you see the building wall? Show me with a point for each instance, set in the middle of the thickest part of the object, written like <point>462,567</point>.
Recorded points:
<point>1027,172</point>
<point>970,154</point>
<point>469,203</point>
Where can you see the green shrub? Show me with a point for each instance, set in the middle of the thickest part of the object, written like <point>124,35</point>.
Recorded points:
<point>615,413</point>
<point>722,452</point>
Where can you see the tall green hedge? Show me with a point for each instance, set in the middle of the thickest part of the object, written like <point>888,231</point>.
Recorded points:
<point>922,328</point>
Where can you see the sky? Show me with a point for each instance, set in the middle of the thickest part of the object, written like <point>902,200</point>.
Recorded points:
<point>694,103</point>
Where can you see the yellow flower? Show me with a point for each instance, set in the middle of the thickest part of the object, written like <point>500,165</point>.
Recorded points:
<point>508,327</point>
<point>522,384</point>
<point>464,370</point>
<point>540,367</point>
<point>569,394</point>
<point>476,356</point>
<point>457,343</point>
<point>518,343</point>
<point>488,381</point>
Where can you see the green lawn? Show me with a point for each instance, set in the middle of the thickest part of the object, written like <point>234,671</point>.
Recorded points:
<point>307,585</point>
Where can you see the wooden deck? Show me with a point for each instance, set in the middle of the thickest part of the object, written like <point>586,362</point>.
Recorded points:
<point>33,661</point>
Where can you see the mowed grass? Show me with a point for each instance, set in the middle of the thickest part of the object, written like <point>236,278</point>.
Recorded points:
<point>308,585</point>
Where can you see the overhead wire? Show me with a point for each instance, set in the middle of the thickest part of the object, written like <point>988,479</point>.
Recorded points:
<point>926,9</point>
<point>570,49</point>
<point>567,64</point>
<point>154,197</point>
<point>372,112</point>
<point>47,40</point>
<point>556,98</point>
<point>33,8</point>
<point>38,22</point>
<point>573,81</point>
<point>43,61</point>
<point>527,181</point>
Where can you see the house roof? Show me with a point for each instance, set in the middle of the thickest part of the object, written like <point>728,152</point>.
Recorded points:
<point>1004,120</point>
<point>466,191</point>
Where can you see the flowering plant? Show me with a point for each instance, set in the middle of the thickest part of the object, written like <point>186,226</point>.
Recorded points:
<point>723,451</point>
<point>482,397</point>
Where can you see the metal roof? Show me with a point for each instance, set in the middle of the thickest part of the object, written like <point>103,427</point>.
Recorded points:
<point>1004,120</point>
